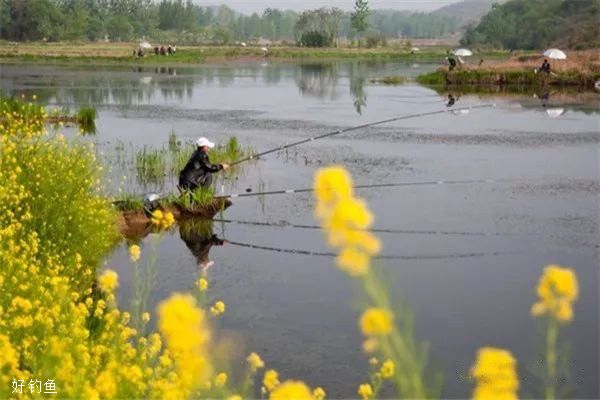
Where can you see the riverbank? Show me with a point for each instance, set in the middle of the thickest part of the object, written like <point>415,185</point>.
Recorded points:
<point>122,53</point>
<point>581,69</point>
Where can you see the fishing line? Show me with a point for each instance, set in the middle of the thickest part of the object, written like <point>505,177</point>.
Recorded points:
<point>354,128</point>
<point>377,185</point>
<point>415,257</point>
<point>284,224</point>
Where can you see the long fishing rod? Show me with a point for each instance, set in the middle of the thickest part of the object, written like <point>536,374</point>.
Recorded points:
<point>414,257</point>
<point>372,186</point>
<point>355,128</point>
<point>285,224</point>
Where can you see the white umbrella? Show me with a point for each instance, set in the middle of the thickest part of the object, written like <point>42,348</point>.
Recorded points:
<point>555,54</point>
<point>555,112</point>
<point>463,52</point>
<point>415,49</point>
<point>145,45</point>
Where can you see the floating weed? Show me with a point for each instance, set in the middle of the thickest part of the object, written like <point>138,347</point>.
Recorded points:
<point>391,80</point>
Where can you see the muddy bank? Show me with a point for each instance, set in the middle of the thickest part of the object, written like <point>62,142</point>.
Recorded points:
<point>137,223</point>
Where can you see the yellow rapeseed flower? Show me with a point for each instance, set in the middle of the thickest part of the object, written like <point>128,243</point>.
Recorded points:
<point>291,390</point>
<point>376,322</point>
<point>202,284</point>
<point>388,369</point>
<point>218,308</point>
<point>345,220</point>
<point>495,373</point>
<point>353,261</point>
<point>182,324</point>
<point>319,393</point>
<point>145,317</point>
<point>331,185</point>
<point>162,219</point>
<point>557,291</point>
<point>108,281</point>
<point>135,252</point>
<point>365,391</point>
<point>255,361</point>
<point>221,380</point>
<point>271,379</point>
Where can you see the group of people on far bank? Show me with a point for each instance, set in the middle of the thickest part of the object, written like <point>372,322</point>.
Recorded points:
<point>158,51</point>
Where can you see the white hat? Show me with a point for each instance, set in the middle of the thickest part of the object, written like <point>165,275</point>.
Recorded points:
<point>201,142</point>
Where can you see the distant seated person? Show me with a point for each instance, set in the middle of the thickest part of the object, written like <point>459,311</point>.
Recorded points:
<point>545,68</point>
<point>170,49</point>
<point>481,62</point>
<point>156,50</point>
<point>140,53</point>
<point>163,51</point>
<point>198,170</point>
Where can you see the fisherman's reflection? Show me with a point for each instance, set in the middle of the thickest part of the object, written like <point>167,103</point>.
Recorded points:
<point>543,96</point>
<point>198,236</point>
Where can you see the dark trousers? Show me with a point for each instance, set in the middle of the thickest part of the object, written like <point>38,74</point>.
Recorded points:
<point>188,184</point>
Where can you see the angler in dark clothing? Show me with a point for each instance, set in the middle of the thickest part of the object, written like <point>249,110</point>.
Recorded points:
<point>198,170</point>
<point>545,68</point>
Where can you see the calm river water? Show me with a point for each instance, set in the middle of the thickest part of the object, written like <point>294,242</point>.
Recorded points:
<point>298,311</point>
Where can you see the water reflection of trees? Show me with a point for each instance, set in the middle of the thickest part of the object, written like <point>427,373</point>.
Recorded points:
<point>318,80</point>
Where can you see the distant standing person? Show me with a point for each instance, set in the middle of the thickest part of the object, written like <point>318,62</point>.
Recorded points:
<point>451,61</point>
<point>198,170</point>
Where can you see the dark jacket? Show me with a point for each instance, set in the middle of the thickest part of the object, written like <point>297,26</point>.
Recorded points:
<point>198,167</point>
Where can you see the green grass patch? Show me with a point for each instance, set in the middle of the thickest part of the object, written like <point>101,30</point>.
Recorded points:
<point>86,118</point>
<point>129,203</point>
<point>517,77</point>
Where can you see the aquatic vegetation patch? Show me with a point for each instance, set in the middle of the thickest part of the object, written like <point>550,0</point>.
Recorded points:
<point>153,165</point>
<point>391,80</point>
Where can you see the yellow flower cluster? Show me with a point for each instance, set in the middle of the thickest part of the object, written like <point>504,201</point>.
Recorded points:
<point>319,393</point>
<point>255,361</point>
<point>202,284</point>
<point>388,369</point>
<point>496,375</point>
<point>365,391</point>
<point>184,328</point>
<point>108,281</point>
<point>345,219</point>
<point>270,379</point>
<point>135,252</point>
<point>292,390</point>
<point>55,322</point>
<point>162,219</point>
<point>557,291</point>
<point>218,308</point>
<point>376,322</point>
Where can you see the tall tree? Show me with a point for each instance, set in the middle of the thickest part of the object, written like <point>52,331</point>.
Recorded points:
<point>360,17</point>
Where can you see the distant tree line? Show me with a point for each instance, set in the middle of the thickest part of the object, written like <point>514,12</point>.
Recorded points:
<point>54,20</point>
<point>537,24</point>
